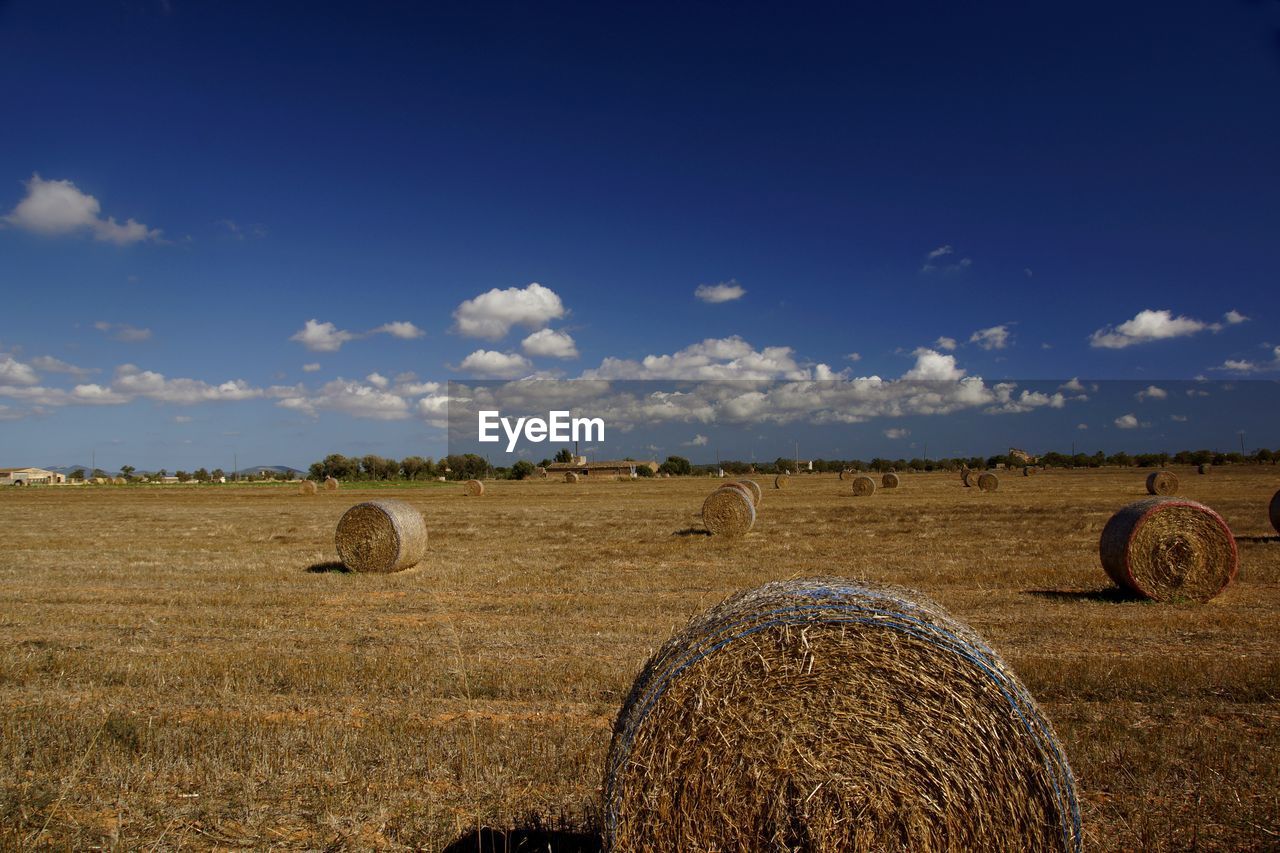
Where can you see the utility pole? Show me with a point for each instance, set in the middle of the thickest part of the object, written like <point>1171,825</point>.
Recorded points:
<point>1241,442</point>
<point>235,467</point>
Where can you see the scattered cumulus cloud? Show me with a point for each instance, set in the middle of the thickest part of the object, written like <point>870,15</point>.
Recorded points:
<point>321,337</point>
<point>49,364</point>
<point>377,380</point>
<point>124,332</point>
<point>725,291</point>
<point>713,358</point>
<point>56,208</point>
<point>550,343</point>
<point>996,337</point>
<point>492,364</point>
<point>896,433</point>
<point>1146,326</point>
<point>940,252</point>
<point>1129,421</point>
<point>698,440</point>
<point>933,366</point>
<point>1151,392</point>
<point>349,397</point>
<point>1181,419</point>
<point>14,372</point>
<point>1245,366</point>
<point>853,356</point>
<point>936,261</point>
<point>399,329</point>
<point>945,343</point>
<point>492,314</point>
<point>311,367</point>
<point>1234,318</point>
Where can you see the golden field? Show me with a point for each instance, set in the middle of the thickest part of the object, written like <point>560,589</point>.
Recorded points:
<point>183,667</point>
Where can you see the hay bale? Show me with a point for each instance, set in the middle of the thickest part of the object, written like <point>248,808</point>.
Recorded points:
<point>381,536</point>
<point>780,481</point>
<point>757,494</point>
<point>473,488</point>
<point>988,482</point>
<point>308,487</point>
<point>1203,468</point>
<point>845,474</point>
<point>828,714</point>
<point>1169,548</point>
<point>120,481</point>
<point>1162,483</point>
<point>864,486</point>
<point>1275,511</point>
<point>969,478</point>
<point>330,484</point>
<point>728,511</point>
<point>889,481</point>
<point>1027,471</point>
<point>570,477</point>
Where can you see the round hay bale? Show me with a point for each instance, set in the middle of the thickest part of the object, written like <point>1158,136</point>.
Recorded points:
<point>473,488</point>
<point>829,714</point>
<point>845,474</point>
<point>969,478</point>
<point>780,481</point>
<point>728,511</point>
<point>381,536</point>
<point>570,477</point>
<point>757,494</point>
<point>988,482</point>
<point>330,484</point>
<point>1028,471</point>
<point>308,487</point>
<point>1162,483</point>
<point>864,486</point>
<point>1169,548</point>
<point>889,481</point>
<point>1203,468</point>
<point>119,481</point>
<point>1275,511</point>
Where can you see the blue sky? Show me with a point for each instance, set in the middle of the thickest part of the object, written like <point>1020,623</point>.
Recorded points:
<point>1016,192</point>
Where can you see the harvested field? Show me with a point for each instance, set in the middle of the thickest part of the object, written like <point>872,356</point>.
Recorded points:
<point>186,666</point>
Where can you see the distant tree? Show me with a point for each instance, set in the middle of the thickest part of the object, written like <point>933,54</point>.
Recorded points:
<point>99,474</point>
<point>126,471</point>
<point>414,467</point>
<point>77,474</point>
<point>522,470</point>
<point>564,455</point>
<point>182,476</point>
<point>468,466</point>
<point>201,475</point>
<point>644,471</point>
<point>544,463</point>
<point>217,474</point>
<point>676,466</point>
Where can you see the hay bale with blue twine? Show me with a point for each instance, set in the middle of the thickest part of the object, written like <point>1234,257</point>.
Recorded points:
<point>830,714</point>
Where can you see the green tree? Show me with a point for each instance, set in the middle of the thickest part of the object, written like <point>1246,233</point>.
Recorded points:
<point>676,466</point>
<point>126,471</point>
<point>201,475</point>
<point>564,455</point>
<point>217,474</point>
<point>182,476</point>
<point>77,474</point>
<point>415,467</point>
<point>523,469</point>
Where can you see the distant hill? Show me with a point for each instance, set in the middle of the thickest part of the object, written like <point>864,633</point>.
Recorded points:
<point>67,469</point>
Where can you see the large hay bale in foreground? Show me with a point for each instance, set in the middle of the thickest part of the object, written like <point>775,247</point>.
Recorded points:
<point>473,488</point>
<point>1275,511</point>
<point>308,487</point>
<point>988,482</point>
<point>863,486</point>
<point>570,477</point>
<point>831,715</point>
<point>728,511</point>
<point>889,481</point>
<point>330,484</point>
<point>757,494</point>
<point>381,536</point>
<point>780,481</point>
<point>1169,548</point>
<point>1162,483</point>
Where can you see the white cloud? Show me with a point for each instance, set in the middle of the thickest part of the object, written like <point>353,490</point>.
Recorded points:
<point>492,314</point>
<point>897,433</point>
<point>549,343</point>
<point>311,368</point>
<point>1151,392</point>
<point>698,440</point>
<point>935,255</point>
<point>15,372</point>
<point>941,251</point>
<point>123,331</point>
<point>945,343</point>
<point>399,329</point>
<point>94,394</point>
<point>854,356</point>
<point>1007,402</point>
<point>1145,327</point>
<point>933,366</point>
<point>996,337</point>
<point>1234,317</point>
<point>133,382</point>
<point>725,291</point>
<point>495,365</point>
<point>1082,426</point>
<point>377,380</point>
<point>713,358</point>
<point>1129,421</point>
<point>49,364</point>
<point>59,207</point>
<point>182,419</point>
<point>351,398</point>
<point>321,337</point>
<point>1181,419</point>
<point>1244,365</point>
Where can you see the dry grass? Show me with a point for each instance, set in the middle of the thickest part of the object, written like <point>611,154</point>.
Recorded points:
<point>172,674</point>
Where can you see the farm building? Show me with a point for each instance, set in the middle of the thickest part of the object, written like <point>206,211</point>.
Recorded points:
<point>608,467</point>
<point>30,477</point>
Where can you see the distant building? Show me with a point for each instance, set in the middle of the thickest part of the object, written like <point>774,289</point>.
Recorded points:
<point>608,467</point>
<point>30,477</point>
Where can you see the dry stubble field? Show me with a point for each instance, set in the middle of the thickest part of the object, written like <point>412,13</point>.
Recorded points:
<point>180,668</point>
